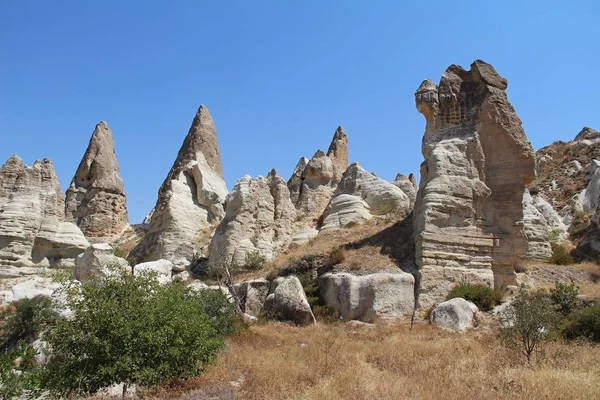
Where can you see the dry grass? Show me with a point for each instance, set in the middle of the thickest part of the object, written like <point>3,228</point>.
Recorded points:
<point>278,361</point>
<point>377,245</point>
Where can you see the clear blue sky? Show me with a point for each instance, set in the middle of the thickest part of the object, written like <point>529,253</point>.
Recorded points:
<point>278,77</point>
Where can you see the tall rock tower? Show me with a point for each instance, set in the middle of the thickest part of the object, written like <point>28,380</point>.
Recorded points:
<point>96,198</point>
<point>190,199</point>
<point>468,214</point>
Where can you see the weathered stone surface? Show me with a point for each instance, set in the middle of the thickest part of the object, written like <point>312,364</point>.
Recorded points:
<point>587,200</point>
<point>304,234</point>
<point>369,297</point>
<point>313,182</point>
<point>540,220</point>
<point>33,233</point>
<point>380,198</point>
<point>98,259</point>
<point>252,295</point>
<point>190,199</point>
<point>408,185</point>
<point>36,286</point>
<point>162,268</point>
<point>588,136</point>
<point>468,212</point>
<point>455,314</point>
<point>96,200</point>
<point>287,299</point>
<point>258,218</point>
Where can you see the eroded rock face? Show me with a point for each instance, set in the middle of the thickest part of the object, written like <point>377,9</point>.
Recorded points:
<point>370,196</point>
<point>33,233</point>
<point>258,218</point>
<point>252,295</point>
<point>408,185</point>
<point>288,301</point>
<point>98,259</point>
<point>96,200</point>
<point>313,181</point>
<point>540,222</point>
<point>369,297</point>
<point>468,212</point>
<point>588,136</point>
<point>190,199</point>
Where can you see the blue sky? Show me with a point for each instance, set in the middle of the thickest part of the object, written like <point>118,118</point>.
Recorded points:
<point>277,76</point>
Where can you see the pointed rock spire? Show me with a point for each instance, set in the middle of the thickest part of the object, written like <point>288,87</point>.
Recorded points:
<point>338,152</point>
<point>96,200</point>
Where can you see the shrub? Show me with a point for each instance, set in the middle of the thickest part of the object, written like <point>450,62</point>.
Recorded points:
<point>579,224</point>
<point>528,321</point>
<point>133,330</point>
<point>337,256</point>
<point>560,255</point>
<point>254,260</point>
<point>585,324</point>
<point>564,297</point>
<point>483,296</point>
<point>25,321</point>
<point>554,236</point>
<point>21,377</point>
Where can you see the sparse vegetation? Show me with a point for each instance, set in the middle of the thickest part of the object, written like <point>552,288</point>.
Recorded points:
<point>337,256</point>
<point>579,224</point>
<point>483,296</point>
<point>585,324</point>
<point>560,255</point>
<point>254,261</point>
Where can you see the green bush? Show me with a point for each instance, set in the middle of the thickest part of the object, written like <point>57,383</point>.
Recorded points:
<point>483,296</point>
<point>254,260</point>
<point>560,255</point>
<point>528,321</point>
<point>564,297</point>
<point>585,324</point>
<point>22,377</point>
<point>133,330</point>
<point>24,321</point>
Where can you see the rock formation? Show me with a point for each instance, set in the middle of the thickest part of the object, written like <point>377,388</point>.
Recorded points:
<point>588,136</point>
<point>190,199</point>
<point>408,184</point>
<point>468,213</point>
<point>98,259</point>
<point>369,297</point>
<point>314,180</point>
<point>359,195</point>
<point>540,222</point>
<point>455,314</point>
<point>287,301</point>
<point>33,233</point>
<point>96,198</point>
<point>258,218</point>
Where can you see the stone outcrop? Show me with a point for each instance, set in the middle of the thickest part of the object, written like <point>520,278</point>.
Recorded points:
<point>98,259</point>
<point>162,268</point>
<point>369,297</point>
<point>190,199</point>
<point>408,184</point>
<point>313,181</point>
<point>258,218</point>
<point>364,195</point>
<point>456,314</point>
<point>588,136</point>
<point>468,213</point>
<point>540,222</point>
<point>288,301</point>
<point>95,200</point>
<point>33,232</point>
<point>252,295</point>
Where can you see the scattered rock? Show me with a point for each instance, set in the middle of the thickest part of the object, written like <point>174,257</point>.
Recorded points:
<point>369,297</point>
<point>455,314</point>
<point>95,200</point>
<point>287,300</point>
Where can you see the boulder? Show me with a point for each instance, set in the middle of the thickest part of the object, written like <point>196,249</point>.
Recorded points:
<point>369,297</point>
<point>36,286</point>
<point>95,199</point>
<point>98,259</point>
<point>455,314</point>
<point>540,220</point>
<point>190,199</point>
<point>468,214</point>
<point>162,268</point>
<point>252,295</point>
<point>288,301</point>
<point>345,210</point>
<point>258,218</point>
<point>33,231</point>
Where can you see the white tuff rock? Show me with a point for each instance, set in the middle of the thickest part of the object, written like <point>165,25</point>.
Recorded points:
<point>287,299</point>
<point>455,314</point>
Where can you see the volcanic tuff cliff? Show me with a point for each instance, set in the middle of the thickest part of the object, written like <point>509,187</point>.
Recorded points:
<point>468,212</point>
<point>95,199</point>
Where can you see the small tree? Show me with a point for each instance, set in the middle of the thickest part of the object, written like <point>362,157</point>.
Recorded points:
<point>132,330</point>
<point>528,321</point>
<point>564,297</point>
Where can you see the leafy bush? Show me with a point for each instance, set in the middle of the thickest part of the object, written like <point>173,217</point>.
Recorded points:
<point>24,321</point>
<point>585,324</point>
<point>337,256</point>
<point>483,296</point>
<point>254,260</point>
<point>23,376</point>
<point>564,297</point>
<point>560,255</point>
<point>528,321</point>
<point>133,330</point>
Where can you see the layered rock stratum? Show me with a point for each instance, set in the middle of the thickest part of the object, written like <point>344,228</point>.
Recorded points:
<point>190,199</point>
<point>96,199</point>
<point>468,213</point>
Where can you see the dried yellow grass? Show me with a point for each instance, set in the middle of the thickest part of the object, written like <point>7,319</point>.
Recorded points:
<point>278,361</point>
